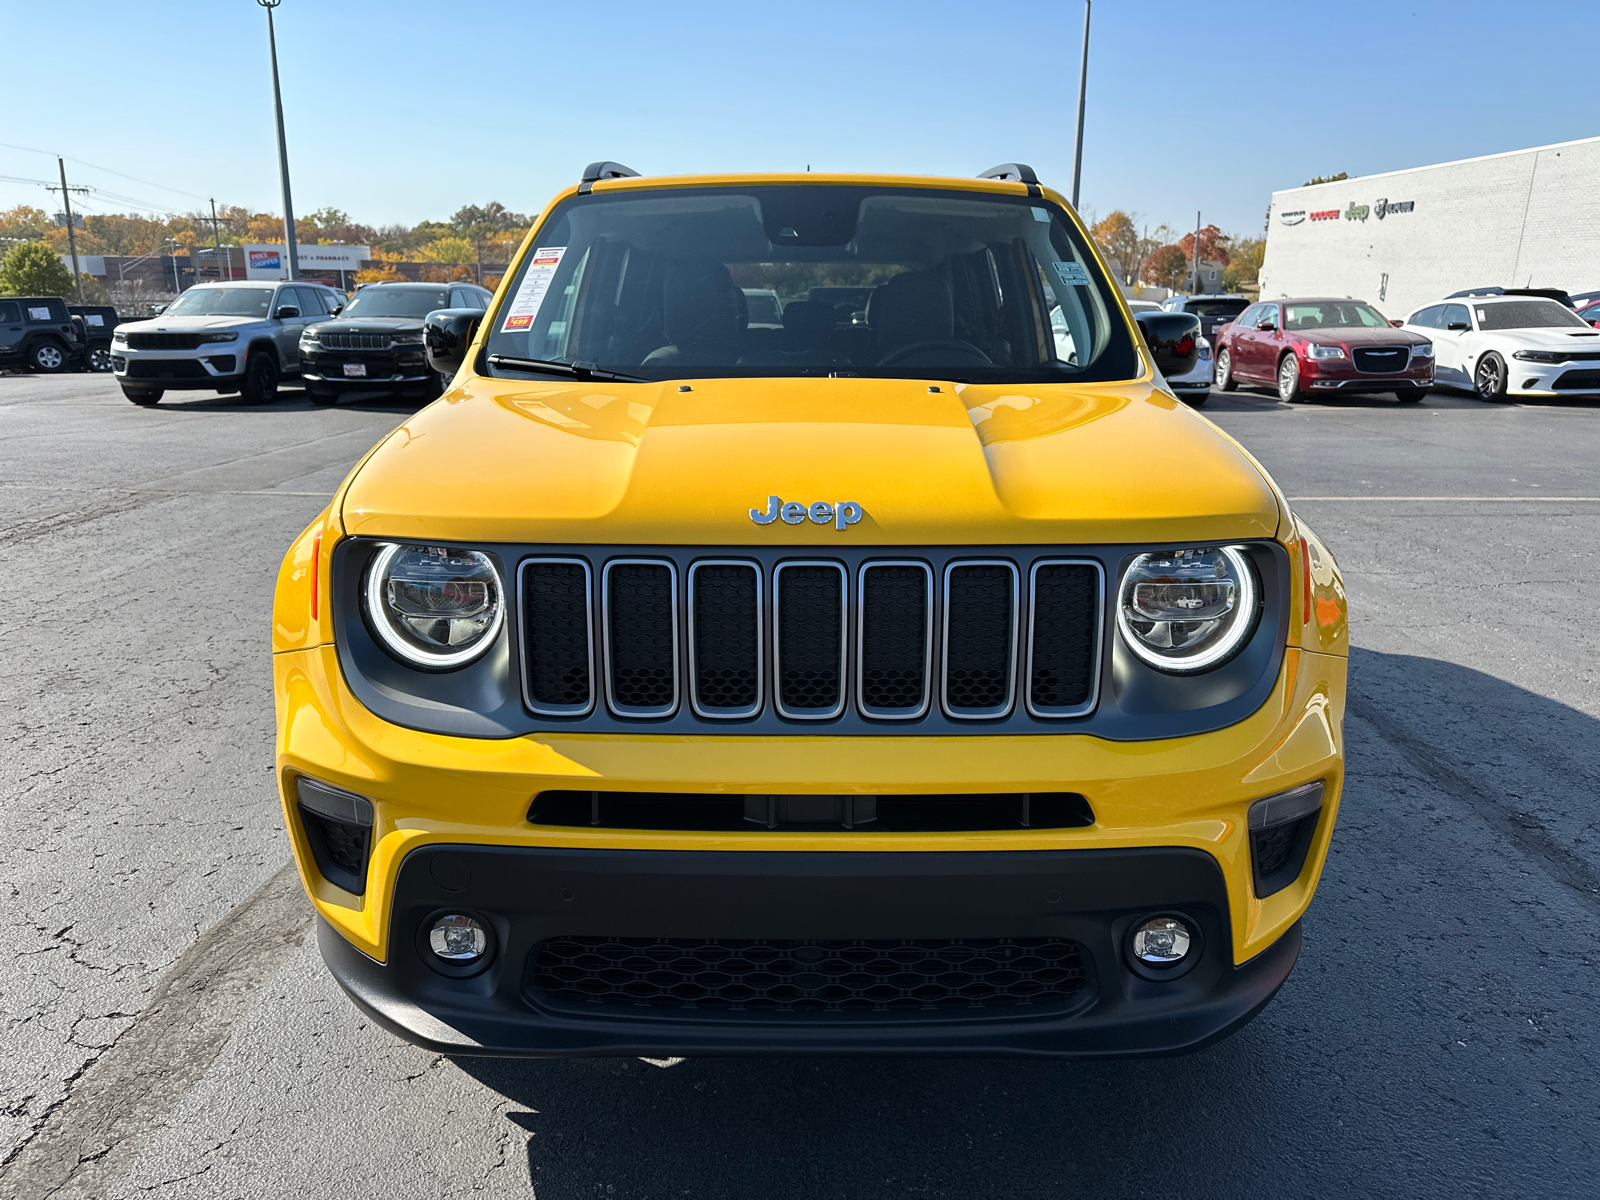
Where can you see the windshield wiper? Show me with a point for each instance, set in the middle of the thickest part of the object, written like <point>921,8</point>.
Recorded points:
<point>578,370</point>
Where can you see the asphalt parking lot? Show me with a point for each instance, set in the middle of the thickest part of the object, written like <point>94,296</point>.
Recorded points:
<point>169,1029</point>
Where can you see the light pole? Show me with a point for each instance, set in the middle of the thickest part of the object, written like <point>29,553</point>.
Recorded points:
<point>1083,91</point>
<point>283,146</point>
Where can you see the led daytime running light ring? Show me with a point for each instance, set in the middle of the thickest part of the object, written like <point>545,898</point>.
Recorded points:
<point>396,643</point>
<point>1244,623</point>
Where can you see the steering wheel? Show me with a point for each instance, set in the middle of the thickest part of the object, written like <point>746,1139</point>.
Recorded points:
<point>974,355</point>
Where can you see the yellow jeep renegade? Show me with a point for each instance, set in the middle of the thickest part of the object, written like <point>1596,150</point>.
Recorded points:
<point>809,623</point>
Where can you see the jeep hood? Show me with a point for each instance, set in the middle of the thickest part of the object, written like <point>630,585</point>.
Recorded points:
<point>496,460</point>
<point>194,324</point>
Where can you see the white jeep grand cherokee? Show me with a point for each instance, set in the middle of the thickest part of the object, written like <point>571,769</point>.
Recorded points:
<point>223,337</point>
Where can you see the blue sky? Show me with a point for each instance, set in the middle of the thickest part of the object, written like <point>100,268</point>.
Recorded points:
<point>400,110</point>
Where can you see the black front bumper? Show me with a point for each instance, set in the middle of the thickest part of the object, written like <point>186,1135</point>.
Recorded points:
<point>1091,897</point>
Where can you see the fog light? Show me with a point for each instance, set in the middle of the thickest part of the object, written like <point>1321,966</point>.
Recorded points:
<point>1161,942</point>
<point>458,939</point>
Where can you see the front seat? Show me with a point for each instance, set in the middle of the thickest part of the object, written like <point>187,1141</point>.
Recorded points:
<point>702,314</point>
<point>913,318</point>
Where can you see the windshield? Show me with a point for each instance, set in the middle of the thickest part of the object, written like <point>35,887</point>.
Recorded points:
<point>1216,308</point>
<point>814,279</point>
<point>221,302</point>
<point>397,302</point>
<point>1528,314</point>
<point>1334,314</point>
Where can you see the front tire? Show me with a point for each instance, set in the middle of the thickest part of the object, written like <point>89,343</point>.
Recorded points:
<point>1225,380</point>
<point>144,397</point>
<point>260,384</point>
<point>1289,380</point>
<point>1489,380</point>
<point>321,397</point>
<point>48,356</point>
<point>1410,395</point>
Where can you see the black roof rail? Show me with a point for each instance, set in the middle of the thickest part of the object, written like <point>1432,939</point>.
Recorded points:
<point>597,171</point>
<point>1021,172</point>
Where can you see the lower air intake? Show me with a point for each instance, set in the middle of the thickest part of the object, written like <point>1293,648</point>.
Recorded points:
<point>810,977</point>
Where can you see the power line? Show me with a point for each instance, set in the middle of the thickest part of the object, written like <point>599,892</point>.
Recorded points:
<point>96,167</point>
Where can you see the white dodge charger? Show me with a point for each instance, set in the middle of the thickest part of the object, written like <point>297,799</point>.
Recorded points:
<point>1499,346</point>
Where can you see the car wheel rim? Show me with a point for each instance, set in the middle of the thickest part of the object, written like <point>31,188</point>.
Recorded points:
<point>100,360</point>
<point>49,358</point>
<point>1287,376</point>
<point>1223,364</point>
<point>1488,378</point>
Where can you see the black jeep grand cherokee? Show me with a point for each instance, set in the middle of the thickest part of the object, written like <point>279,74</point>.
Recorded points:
<point>375,344</point>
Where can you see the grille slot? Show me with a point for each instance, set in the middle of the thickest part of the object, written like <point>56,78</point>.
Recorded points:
<point>556,636</point>
<point>164,341</point>
<point>1381,360</point>
<point>356,341</point>
<point>1063,638</point>
<point>810,978</point>
<point>872,814</point>
<point>809,638</point>
<point>641,626</point>
<point>895,639</point>
<point>1577,380</point>
<point>980,642</point>
<point>725,638</point>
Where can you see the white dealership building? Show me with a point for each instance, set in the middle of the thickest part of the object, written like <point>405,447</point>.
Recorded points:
<point>1528,218</point>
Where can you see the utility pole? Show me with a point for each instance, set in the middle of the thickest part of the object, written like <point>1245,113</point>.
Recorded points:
<point>1196,287</point>
<point>216,243</point>
<point>1083,93</point>
<point>72,238</point>
<point>283,146</point>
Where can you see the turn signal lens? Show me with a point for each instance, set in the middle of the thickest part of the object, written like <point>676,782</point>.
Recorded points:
<point>433,606</point>
<point>1188,610</point>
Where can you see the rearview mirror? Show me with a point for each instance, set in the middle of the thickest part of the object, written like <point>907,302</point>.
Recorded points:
<point>447,332</point>
<point>1173,340</point>
<point>285,311</point>
<point>1458,326</point>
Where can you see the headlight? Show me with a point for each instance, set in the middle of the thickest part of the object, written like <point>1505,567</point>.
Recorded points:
<point>433,606</point>
<point>119,338</point>
<point>1544,356</point>
<point>406,339</point>
<point>1423,351</point>
<point>1188,610</point>
<point>220,337</point>
<point>309,338</point>
<point>1326,351</point>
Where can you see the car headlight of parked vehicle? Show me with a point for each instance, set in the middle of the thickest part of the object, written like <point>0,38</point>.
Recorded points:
<point>231,336</point>
<point>119,338</point>
<point>433,606</point>
<point>407,339</point>
<point>1327,351</point>
<point>309,339</point>
<point>1188,610</point>
<point>1539,356</point>
<point>1425,350</point>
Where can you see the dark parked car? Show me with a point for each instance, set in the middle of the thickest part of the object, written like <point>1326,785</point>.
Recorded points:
<point>1323,345</point>
<point>36,332</point>
<point>1214,311</point>
<point>375,344</point>
<point>96,322</point>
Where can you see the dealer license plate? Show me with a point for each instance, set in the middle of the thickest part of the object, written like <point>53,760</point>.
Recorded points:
<point>355,370</point>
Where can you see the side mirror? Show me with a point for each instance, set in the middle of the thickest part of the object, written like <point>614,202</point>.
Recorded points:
<point>447,332</point>
<point>157,309</point>
<point>337,309</point>
<point>1266,325</point>
<point>285,311</point>
<point>1173,340</point>
<point>1397,324</point>
<point>1458,326</point>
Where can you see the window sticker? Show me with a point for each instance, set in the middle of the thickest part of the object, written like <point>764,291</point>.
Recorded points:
<point>535,284</point>
<point>1072,274</point>
<point>1040,214</point>
<point>95,319</point>
<point>39,314</point>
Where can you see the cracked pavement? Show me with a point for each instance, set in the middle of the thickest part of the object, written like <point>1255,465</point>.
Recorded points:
<point>170,1031</point>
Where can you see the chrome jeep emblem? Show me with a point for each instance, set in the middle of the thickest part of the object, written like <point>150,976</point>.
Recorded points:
<point>843,513</point>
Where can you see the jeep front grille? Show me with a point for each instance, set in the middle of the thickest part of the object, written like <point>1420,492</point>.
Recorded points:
<point>356,341</point>
<point>722,636</point>
<point>163,341</point>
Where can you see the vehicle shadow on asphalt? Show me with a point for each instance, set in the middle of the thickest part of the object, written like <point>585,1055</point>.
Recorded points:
<point>289,402</point>
<point>1430,1040</point>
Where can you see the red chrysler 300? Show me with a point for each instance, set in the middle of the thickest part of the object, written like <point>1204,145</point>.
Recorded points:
<point>1308,346</point>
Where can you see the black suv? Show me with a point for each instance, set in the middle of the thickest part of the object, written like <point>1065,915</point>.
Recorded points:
<point>375,344</point>
<point>36,332</point>
<point>95,321</point>
<point>1214,311</point>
